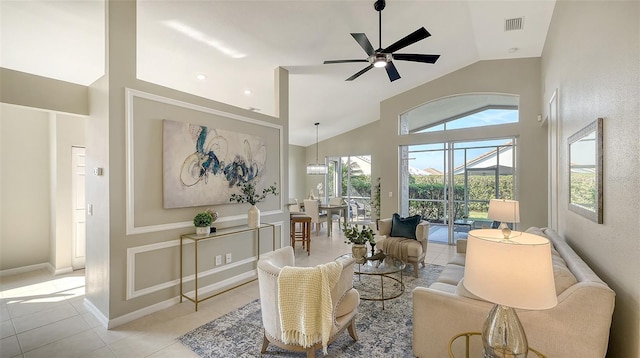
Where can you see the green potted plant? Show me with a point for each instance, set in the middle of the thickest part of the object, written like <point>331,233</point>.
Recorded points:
<point>375,203</point>
<point>202,222</point>
<point>249,195</point>
<point>214,217</point>
<point>359,238</point>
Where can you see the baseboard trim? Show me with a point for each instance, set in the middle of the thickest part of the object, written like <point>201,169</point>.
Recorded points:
<point>132,316</point>
<point>61,271</point>
<point>18,270</point>
<point>96,313</point>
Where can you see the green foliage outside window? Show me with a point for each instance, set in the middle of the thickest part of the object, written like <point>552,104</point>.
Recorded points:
<point>430,189</point>
<point>583,190</point>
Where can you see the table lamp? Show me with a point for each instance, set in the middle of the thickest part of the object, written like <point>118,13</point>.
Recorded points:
<point>505,211</point>
<point>513,273</point>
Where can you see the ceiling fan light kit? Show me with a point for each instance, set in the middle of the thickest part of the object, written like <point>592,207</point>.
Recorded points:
<point>383,57</point>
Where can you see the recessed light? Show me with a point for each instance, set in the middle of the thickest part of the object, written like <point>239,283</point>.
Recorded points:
<point>247,92</point>
<point>254,109</point>
<point>201,77</point>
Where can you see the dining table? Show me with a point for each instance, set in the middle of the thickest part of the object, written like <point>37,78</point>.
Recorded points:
<point>333,209</point>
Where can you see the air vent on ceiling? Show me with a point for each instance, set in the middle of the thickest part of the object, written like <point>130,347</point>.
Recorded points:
<point>513,24</point>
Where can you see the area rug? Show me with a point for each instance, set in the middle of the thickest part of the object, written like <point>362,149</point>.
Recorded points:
<point>381,333</point>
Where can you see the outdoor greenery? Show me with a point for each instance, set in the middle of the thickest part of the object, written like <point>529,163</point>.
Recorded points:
<point>430,189</point>
<point>375,202</point>
<point>360,182</point>
<point>583,190</point>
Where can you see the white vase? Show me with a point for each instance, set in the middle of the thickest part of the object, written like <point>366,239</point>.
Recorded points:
<point>202,230</point>
<point>253,216</point>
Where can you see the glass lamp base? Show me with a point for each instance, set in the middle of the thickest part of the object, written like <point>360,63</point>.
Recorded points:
<point>503,335</point>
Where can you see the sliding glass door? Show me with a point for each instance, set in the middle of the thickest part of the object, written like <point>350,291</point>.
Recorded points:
<point>350,178</point>
<point>450,184</point>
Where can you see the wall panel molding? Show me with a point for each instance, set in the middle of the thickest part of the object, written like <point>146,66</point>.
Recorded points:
<point>132,292</point>
<point>130,95</point>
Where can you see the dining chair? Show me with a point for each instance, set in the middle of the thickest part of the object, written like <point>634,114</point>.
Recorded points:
<point>311,209</point>
<point>336,201</point>
<point>295,208</point>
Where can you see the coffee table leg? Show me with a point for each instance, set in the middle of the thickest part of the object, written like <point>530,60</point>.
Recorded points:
<point>382,288</point>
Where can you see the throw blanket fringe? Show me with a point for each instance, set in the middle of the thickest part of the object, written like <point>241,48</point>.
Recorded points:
<point>306,309</point>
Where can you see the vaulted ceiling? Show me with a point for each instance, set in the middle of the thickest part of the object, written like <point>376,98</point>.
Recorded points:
<point>236,45</point>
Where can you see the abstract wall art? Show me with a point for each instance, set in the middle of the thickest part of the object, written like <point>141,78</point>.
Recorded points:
<point>203,165</point>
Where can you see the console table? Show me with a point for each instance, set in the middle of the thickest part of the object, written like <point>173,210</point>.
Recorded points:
<point>196,239</point>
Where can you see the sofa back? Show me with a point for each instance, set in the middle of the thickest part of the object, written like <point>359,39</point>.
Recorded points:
<point>574,262</point>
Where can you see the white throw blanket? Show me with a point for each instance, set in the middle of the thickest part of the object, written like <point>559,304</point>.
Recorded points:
<point>306,307</point>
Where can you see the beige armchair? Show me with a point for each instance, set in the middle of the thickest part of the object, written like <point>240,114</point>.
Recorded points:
<point>410,251</point>
<point>345,300</point>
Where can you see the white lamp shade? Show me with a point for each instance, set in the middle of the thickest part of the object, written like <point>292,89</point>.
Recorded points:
<point>517,272</point>
<point>507,211</point>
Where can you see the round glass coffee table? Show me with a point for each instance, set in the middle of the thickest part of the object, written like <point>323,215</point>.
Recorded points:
<point>384,269</point>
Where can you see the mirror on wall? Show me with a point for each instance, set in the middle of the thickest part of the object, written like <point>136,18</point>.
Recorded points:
<point>585,171</point>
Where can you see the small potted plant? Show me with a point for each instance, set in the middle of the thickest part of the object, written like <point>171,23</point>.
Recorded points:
<point>214,217</point>
<point>202,222</point>
<point>248,195</point>
<point>359,238</point>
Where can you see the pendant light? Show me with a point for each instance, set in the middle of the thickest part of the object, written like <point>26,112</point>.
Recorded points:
<point>317,169</point>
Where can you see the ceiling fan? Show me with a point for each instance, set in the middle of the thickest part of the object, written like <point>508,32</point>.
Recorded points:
<point>383,57</point>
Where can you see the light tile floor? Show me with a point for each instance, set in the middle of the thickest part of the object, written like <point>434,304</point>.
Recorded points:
<point>43,315</point>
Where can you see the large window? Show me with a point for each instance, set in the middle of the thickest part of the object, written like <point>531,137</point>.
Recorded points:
<point>450,183</point>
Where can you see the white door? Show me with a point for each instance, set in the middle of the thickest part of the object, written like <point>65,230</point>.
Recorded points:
<point>78,232</point>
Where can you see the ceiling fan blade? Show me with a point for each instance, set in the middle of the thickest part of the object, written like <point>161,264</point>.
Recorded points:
<point>413,37</point>
<point>343,61</point>
<point>359,73</point>
<point>364,42</point>
<point>416,57</point>
<point>392,71</point>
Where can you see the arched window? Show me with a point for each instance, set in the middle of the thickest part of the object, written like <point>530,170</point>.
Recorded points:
<point>461,111</point>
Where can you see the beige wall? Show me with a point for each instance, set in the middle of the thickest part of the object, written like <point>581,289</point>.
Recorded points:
<point>25,190</point>
<point>29,90</point>
<point>108,243</point>
<point>297,172</point>
<point>360,141</point>
<point>521,77</point>
<point>380,138</point>
<point>592,56</point>
<point>47,138</point>
<point>151,230</point>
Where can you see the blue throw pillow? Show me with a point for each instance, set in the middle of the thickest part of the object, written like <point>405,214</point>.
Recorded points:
<point>405,227</point>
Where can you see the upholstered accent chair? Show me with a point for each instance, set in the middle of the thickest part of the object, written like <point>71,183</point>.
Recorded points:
<point>344,298</point>
<point>410,251</point>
